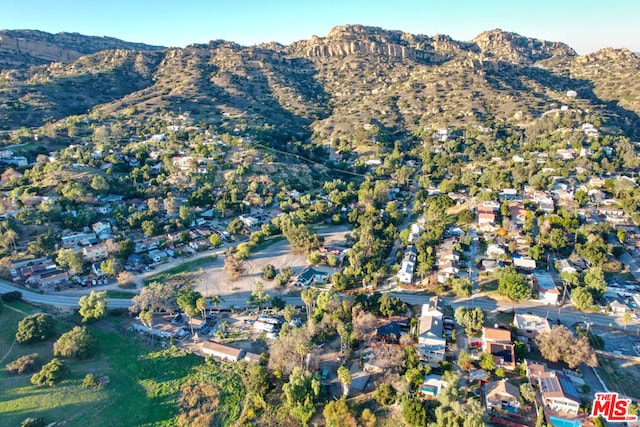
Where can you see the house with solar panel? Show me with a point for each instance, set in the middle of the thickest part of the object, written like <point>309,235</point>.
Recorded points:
<point>558,394</point>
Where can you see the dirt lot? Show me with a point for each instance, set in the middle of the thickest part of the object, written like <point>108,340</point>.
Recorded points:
<point>213,279</point>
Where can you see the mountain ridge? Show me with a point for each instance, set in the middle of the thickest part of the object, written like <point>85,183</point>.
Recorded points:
<point>356,80</point>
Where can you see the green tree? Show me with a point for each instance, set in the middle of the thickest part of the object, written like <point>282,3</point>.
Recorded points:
<point>99,184</point>
<point>462,287</point>
<point>513,284</point>
<point>148,227</point>
<point>93,306</point>
<point>51,373</point>
<point>527,392</point>
<point>91,381</point>
<point>186,215</point>
<point>487,361</point>
<point>385,394</point>
<point>582,298</point>
<point>258,296</point>
<point>466,216</point>
<point>301,394</point>
<point>235,226</point>
<point>414,412</point>
<point>216,300</point>
<point>345,378</point>
<point>77,342</point>
<point>188,302</point>
<point>594,281</point>
<point>337,414</point>
<point>368,418</point>
<point>309,297</point>
<point>268,272</point>
<point>37,327</point>
<point>215,240</point>
<point>70,260</point>
<point>464,360</point>
<point>110,266</point>
<point>470,318</point>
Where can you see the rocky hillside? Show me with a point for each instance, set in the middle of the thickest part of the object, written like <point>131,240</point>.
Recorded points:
<point>356,85</point>
<point>26,48</point>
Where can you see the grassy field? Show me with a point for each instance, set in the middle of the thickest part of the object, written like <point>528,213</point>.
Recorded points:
<point>182,269</point>
<point>120,294</point>
<point>143,381</point>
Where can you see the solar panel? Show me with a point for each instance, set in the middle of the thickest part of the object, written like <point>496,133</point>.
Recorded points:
<point>549,384</point>
<point>568,387</point>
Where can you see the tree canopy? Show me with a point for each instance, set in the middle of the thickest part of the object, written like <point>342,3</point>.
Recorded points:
<point>561,344</point>
<point>93,306</point>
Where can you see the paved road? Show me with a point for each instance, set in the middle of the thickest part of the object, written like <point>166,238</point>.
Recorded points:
<point>567,315</point>
<point>71,301</point>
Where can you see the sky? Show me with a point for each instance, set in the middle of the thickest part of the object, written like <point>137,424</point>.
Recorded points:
<point>585,25</point>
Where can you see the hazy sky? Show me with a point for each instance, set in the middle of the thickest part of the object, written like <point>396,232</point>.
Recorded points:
<point>585,25</point>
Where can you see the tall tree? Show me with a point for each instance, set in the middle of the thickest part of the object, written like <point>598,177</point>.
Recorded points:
<point>345,378</point>
<point>258,296</point>
<point>94,306</point>
<point>560,344</point>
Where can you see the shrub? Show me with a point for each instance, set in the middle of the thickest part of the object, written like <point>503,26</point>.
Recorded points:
<point>51,373</point>
<point>37,327</point>
<point>24,364</point>
<point>385,394</point>
<point>33,422</point>
<point>78,342</point>
<point>268,272</point>
<point>91,381</point>
<point>12,296</point>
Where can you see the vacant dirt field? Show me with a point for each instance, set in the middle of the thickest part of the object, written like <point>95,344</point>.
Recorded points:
<point>213,279</point>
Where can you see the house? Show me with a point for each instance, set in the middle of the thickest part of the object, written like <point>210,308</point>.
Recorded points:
<point>517,212</point>
<point>431,344</point>
<point>415,232</point>
<point>494,335</point>
<point>546,288</point>
<point>432,385</point>
<point>163,328</point>
<point>486,220</point>
<point>95,253</point>
<point>79,238</point>
<point>524,264</point>
<point>530,325</point>
<point>495,251</point>
<point>434,308</point>
<point>502,396</point>
<point>497,342</point>
<point>101,228</point>
<point>311,276</point>
<point>405,274</point>
<point>618,307</point>
<point>96,269</point>
<point>508,194</point>
<point>558,393</point>
<point>222,351</point>
<point>389,332</point>
<point>157,255</point>
<point>249,221</point>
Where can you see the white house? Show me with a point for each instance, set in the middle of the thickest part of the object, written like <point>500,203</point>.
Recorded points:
<point>222,351</point>
<point>405,275</point>
<point>431,343</point>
